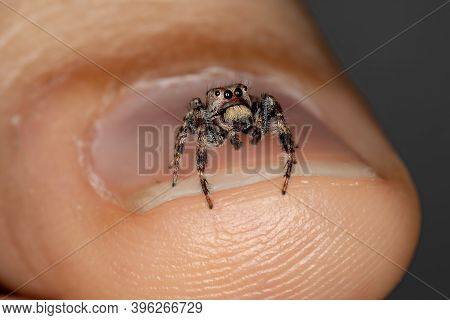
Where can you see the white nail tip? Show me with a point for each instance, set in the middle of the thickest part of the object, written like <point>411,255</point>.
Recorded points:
<point>151,197</point>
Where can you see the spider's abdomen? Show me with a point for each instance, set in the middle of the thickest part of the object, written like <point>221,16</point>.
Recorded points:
<point>238,116</point>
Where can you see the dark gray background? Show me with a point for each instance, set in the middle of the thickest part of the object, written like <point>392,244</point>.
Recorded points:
<point>408,85</point>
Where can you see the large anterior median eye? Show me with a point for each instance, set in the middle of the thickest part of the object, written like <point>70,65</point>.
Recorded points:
<point>238,92</point>
<point>228,94</point>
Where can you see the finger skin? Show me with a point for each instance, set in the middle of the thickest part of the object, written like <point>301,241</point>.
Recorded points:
<point>327,238</point>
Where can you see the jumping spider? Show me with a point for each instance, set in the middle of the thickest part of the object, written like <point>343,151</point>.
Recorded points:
<point>228,111</point>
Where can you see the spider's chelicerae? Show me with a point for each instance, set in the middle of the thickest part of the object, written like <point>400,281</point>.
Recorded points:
<point>229,111</point>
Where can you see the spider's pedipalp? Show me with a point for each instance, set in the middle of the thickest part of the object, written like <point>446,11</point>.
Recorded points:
<point>235,141</point>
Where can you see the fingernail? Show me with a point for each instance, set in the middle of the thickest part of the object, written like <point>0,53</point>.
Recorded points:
<point>131,145</point>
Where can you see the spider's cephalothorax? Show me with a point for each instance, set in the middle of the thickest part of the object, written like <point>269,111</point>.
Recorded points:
<point>228,111</point>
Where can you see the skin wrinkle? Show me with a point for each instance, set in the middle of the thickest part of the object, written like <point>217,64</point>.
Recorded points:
<point>333,281</point>
<point>337,263</point>
<point>248,279</point>
<point>374,264</point>
<point>266,271</point>
<point>349,252</point>
<point>220,276</point>
<point>316,269</point>
<point>303,252</point>
<point>241,229</point>
<point>288,275</point>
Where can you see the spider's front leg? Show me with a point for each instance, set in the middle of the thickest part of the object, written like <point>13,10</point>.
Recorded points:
<point>269,117</point>
<point>190,125</point>
<point>211,135</point>
<point>202,160</point>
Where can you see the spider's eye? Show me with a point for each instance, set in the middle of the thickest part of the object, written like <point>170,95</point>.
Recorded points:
<point>217,93</point>
<point>228,94</point>
<point>245,88</point>
<point>238,92</point>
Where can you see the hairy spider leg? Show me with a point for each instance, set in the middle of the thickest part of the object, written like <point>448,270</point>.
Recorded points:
<point>202,160</point>
<point>287,144</point>
<point>179,149</point>
<point>189,125</point>
<point>269,117</point>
